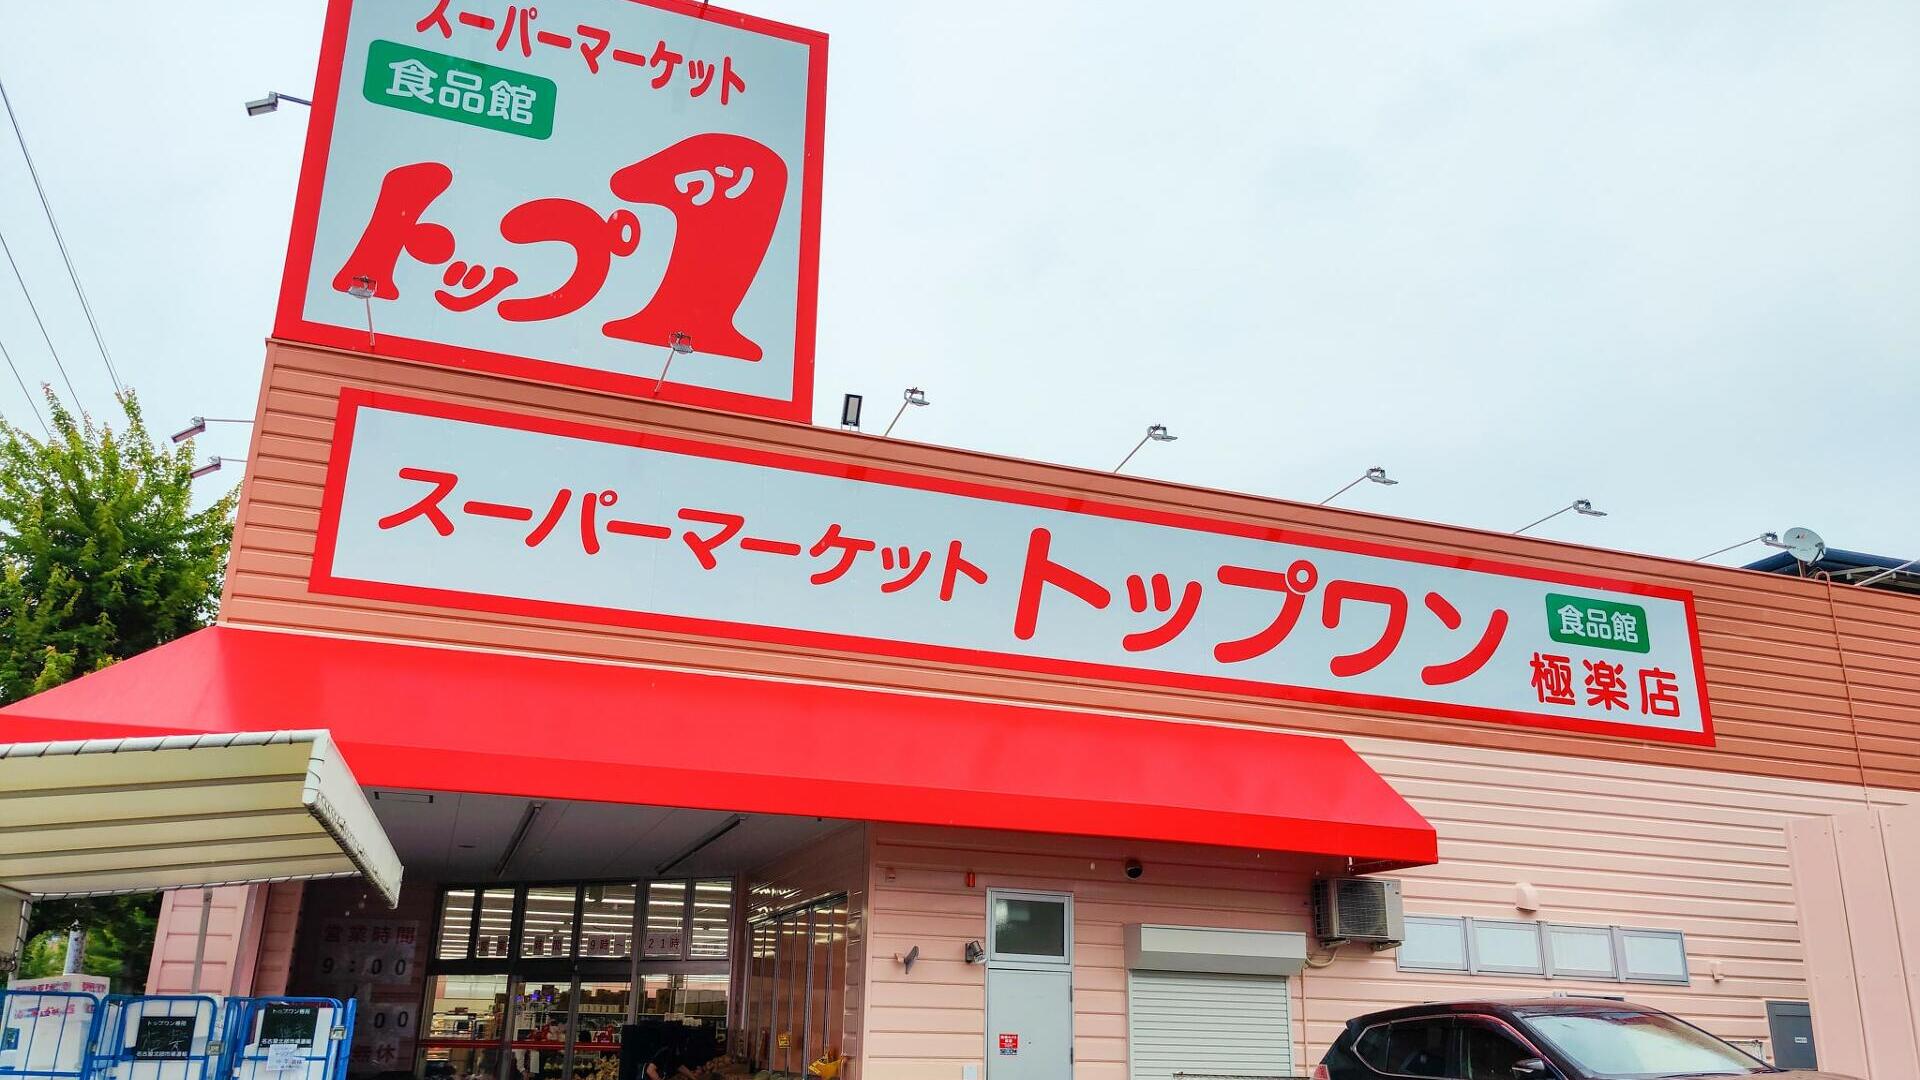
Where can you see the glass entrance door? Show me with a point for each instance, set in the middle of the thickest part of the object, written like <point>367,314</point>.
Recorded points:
<point>597,1021</point>
<point>796,992</point>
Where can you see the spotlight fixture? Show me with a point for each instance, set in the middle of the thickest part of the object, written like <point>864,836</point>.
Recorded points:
<point>1583,507</point>
<point>1771,539</point>
<point>271,103</point>
<point>913,396</point>
<point>679,343</point>
<point>850,412</point>
<point>199,426</point>
<point>1376,474</point>
<point>1155,433</point>
<point>212,466</point>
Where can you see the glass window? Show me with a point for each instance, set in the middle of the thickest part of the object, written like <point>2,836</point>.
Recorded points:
<point>1629,1042</point>
<point>462,1038</point>
<point>1028,927</point>
<point>546,929</point>
<point>539,1023</point>
<point>1653,956</point>
<point>1488,1052</point>
<point>712,920</point>
<point>1418,1048</point>
<point>496,924</point>
<point>596,1029</point>
<point>790,1004</point>
<point>1371,1047</point>
<point>606,920</point>
<point>666,920</point>
<point>1434,944</point>
<point>1507,946</point>
<point>759,1022</point>
<point>1581,951</point>
<point>835,993</point>
<point>456,925</point>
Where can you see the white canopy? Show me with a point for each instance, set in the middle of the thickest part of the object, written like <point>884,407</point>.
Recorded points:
<point>140,815</point>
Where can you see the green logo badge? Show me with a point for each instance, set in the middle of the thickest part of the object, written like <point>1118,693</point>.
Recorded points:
<point>452,88</point>
<point>1604,624</point>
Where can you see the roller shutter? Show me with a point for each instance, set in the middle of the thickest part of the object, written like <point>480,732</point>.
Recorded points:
<point>1208,1025</point>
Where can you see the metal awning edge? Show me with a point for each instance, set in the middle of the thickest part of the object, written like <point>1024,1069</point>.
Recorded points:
<point>329,792</point>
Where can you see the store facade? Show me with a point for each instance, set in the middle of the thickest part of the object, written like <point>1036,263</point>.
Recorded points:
<point>693,722</point>
<point>891,807</point>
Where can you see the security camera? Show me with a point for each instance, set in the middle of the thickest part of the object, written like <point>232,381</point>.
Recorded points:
<point>1134,869</point>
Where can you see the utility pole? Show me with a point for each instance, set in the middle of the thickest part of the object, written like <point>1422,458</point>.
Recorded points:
<point>76,948</point>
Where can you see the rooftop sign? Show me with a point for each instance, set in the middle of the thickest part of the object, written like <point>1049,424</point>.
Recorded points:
<point>564,192</point>
<point>448,505</point>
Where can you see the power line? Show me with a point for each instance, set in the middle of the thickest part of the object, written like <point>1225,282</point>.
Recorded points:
<point>35,308</point>
<point>72,274</point>
<point>24,392</point>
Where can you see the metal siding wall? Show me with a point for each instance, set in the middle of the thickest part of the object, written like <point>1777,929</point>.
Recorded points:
<point>1769,642</point>
<point>1233,1025</point>
<point>1858,878</point>
<point>1602,843</point>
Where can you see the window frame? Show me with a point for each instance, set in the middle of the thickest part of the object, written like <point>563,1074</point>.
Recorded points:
<point>515,961</point>
<point>1460,1023</point>
<point>996,956</point>
<point>1478,967</point>
<point>1620,937</point>
<point>1617,938</point>
<point>1554,971</point>
<point>1453,1042</point>
<point>1459,925</point>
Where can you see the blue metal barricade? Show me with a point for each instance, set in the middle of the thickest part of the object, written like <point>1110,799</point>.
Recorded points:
<point>47,1034</point>
<point>288,1038</point>
<point>159,1037</point>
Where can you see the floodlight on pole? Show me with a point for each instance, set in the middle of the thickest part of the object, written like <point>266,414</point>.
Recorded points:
<point>1155,433</point>
<point>199,426</point>
<point>679,343</point>
<point>363,288</point>
<point>212,466</point>
<point>1583,507</point>
<point>1376,474</point>
<point>1771,539</point>
<point>271,103</point>
<point>913,396</point>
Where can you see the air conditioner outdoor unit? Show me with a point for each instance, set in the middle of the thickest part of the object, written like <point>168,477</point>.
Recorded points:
<point>1365,910</point>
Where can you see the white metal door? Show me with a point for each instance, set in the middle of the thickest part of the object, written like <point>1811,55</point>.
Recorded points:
<point>1029,1023</point>
<point>1208,1025</point>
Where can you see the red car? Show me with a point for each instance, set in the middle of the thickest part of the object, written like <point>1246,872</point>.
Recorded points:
<point>1538,1039</point>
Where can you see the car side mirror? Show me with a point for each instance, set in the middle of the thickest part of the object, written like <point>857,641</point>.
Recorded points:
<point>1531,1069</point>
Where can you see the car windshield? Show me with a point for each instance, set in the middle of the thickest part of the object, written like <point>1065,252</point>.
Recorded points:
<point>1627,1044</point>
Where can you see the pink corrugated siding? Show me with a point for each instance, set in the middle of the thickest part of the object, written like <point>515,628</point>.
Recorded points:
<point>1602,843</point>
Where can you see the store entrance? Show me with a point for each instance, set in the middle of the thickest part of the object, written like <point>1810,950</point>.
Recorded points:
<point>540,940</point>
<point>550,981</point>
<point>795,1006</point>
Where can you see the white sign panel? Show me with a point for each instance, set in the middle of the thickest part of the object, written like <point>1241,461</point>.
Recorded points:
<point>447,505</point>
<point>577,191</point>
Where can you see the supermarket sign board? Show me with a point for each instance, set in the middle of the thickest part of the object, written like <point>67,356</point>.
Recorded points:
<point>432,503</point>
<point>563,192</point>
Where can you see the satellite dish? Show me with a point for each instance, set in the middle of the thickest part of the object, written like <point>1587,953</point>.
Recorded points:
<point>1804,545</point>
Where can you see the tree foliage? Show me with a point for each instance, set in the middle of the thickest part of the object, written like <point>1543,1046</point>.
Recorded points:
<point>119,943</point>
<point>102,554</point>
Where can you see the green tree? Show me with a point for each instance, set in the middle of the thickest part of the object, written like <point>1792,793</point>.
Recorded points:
<point>102,555</point>
<point>119,941</point>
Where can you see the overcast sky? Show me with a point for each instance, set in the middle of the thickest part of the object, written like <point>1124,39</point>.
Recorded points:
<point>1663,255</point>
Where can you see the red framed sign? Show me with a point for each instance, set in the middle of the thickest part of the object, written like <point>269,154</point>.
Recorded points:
<point>449,505</point>
<point>622,195</point>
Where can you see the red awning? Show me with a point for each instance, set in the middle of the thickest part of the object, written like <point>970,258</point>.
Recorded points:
<point>452,720</point>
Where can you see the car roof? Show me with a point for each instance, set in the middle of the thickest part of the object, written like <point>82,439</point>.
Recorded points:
<point>1497,1007</point>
